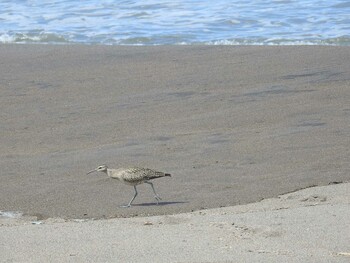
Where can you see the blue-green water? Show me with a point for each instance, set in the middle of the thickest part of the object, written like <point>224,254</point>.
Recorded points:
<point>256,22</point>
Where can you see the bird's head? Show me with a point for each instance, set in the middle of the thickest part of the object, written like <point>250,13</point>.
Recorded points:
<point>101,168</point>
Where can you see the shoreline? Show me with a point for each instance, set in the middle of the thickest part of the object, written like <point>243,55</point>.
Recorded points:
<point>233,125</point>
<point>303,226</point>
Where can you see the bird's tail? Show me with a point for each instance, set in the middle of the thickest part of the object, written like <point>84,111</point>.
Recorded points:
<point>167,175</point>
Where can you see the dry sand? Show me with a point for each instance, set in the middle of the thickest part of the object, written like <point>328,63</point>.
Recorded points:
<point>311,225</point>
<point>232,124</point>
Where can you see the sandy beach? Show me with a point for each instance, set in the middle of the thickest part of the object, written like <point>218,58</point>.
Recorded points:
<point>233,125</point>
<point>311,225</point>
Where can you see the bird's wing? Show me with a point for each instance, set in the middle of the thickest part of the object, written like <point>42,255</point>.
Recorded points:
<point>144,174</point>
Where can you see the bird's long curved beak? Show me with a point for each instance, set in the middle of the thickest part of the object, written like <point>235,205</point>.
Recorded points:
<point>91,171</point>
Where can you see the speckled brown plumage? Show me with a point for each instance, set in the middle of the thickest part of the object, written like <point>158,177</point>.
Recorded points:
<point>133,176</point>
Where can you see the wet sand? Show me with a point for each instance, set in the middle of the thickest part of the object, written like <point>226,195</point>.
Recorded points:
<point>233,125</point>
<point>311,225</point>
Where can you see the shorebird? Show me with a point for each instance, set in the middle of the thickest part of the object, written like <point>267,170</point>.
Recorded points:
<point>132,176</point>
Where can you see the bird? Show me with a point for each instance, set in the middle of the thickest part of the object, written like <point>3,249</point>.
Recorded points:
<point>133,176</point>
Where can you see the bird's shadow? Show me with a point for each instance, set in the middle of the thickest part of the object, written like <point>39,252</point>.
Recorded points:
<point>160,203</point>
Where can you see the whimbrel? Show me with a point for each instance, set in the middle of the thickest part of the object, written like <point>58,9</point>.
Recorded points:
<point>132,176</point>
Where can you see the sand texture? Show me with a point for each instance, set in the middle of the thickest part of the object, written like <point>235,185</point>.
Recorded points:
<point>311,225</point>
<point>233,125</point>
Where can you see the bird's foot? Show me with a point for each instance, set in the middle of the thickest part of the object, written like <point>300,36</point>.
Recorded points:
<point>125,206</point>
<point>157,198</point>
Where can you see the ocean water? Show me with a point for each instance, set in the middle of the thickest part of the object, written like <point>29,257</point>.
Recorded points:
<point>190,22</point>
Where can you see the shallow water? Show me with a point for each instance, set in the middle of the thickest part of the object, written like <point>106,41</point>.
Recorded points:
<point>10,214</point>
<point>224,22</point>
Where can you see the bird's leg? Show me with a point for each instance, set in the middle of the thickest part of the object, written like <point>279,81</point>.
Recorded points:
<point>132,199</point>
<point>157,197</point>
